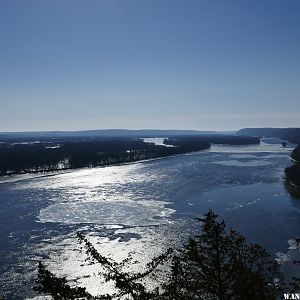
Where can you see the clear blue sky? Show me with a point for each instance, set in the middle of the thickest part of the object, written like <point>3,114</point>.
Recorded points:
<point>93,64</point>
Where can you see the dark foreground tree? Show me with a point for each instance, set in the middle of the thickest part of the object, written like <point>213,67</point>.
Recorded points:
<point>292,175</point>
<point>216,264</point>
<point>219,264</point>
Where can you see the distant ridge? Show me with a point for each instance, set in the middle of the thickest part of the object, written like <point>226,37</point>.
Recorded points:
<point>107,133</point>
<point>290,134</point>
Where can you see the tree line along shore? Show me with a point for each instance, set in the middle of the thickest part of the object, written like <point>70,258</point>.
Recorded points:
<point>32,155</point>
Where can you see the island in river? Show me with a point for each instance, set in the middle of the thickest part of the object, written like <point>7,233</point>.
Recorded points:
<point>32,154</point>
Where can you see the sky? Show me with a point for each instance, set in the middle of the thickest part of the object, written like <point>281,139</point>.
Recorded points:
<point>159,64</point>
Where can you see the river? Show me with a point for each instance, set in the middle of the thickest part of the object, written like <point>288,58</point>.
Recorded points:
<point>141,209</point>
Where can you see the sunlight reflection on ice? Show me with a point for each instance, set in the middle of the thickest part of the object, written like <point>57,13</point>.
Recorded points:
<point>102,196</point>
<point>143,243</point>
<point>88,178</point>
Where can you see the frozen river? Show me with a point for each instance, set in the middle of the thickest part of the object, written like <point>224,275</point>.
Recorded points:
<point>142,209</point>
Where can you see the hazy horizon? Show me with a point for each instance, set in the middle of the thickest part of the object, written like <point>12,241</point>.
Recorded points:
<point>138,129</point>
<point>198,65</point>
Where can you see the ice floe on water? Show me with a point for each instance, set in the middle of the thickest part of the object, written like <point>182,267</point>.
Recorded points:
<point>252,163</point>
<point>262,147</point>
<point>131,213</point>
<point>242,156</point>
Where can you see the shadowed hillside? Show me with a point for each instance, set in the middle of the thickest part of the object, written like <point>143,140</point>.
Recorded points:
<point>292,174</point>
<point>290,134</point>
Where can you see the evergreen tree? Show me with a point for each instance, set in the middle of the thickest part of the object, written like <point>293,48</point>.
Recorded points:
<point>219,264</point>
